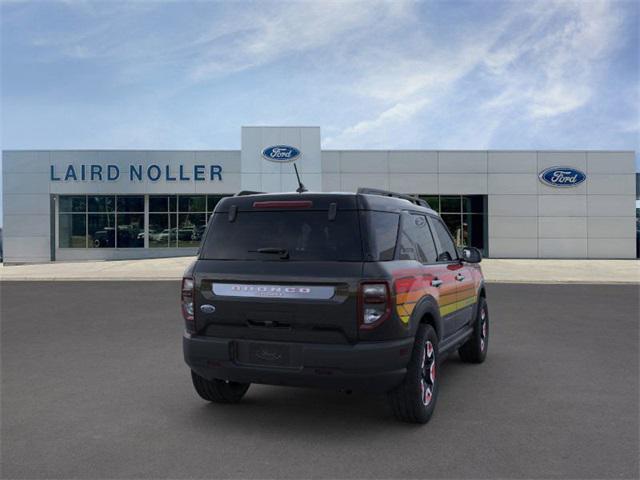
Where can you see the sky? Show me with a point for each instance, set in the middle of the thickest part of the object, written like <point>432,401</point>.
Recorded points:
<point>373,74</point>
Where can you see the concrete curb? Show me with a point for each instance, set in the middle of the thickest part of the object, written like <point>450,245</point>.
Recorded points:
<point>543,272</point>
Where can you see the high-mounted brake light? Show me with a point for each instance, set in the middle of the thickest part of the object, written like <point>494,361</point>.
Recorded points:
<point>186,300</point>
<point>374,304</point>
<point>283,204</point>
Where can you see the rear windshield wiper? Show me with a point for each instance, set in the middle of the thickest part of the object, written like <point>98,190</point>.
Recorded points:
<point>283,252</point>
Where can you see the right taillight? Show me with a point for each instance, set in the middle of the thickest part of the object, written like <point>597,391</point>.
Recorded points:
<point>186,299</point>
<point>374,304</point>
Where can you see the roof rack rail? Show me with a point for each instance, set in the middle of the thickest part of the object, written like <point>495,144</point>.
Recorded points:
<point>385,193</point>
<point>242,193</point>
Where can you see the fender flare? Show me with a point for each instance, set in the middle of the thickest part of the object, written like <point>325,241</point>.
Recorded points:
<point>481,289</point>
<point>427,305</point>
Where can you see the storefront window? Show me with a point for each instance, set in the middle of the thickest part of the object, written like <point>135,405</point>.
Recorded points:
<point>101,230</point>
<point>131,203</point>
<point>192,219</point>
<point>118,221</point>
<point>73,203</point>
<point>73,230</point>
<point>130,230</point>
<point>434,202</point>
<point>474,204</point>
<point>158,203</point>
<point>450,204</point>
<point>93,223</point>
<point>192,203</point>
<point>102,204</point>
<point>454,224</point>
<point>162,221</point>
<point>190,228</point>
<point>464,215</point>
<point>159,232</point>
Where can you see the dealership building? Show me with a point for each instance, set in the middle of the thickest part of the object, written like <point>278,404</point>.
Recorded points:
<point>69,205</point>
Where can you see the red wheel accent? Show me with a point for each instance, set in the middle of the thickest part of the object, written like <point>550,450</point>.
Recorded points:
<point>483,329</point>
<point>428,373</point>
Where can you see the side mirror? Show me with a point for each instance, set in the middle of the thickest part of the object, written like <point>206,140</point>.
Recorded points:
<point>471,255</point>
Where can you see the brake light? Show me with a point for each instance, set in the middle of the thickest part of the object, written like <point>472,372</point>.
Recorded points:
<point>284,204</point>
<point>374,302</point>
<point>186,300</point>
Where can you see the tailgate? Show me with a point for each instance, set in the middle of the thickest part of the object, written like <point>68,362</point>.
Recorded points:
<point>305,302</point>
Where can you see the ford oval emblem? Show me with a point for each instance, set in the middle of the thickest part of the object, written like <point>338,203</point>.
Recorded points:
<point>281,153</point>
<point>206,308</point>
<point>562,177</point>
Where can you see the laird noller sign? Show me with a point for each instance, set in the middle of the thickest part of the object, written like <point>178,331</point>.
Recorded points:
<point>135,173</point>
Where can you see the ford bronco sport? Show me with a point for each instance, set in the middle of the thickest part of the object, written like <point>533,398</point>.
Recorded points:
<point>348,291</point>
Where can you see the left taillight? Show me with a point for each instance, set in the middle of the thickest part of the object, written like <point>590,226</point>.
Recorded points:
<point>374,304</point>
<point>186,299</point>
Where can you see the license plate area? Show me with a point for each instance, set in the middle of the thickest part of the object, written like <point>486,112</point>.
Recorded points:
<point>267,354</point>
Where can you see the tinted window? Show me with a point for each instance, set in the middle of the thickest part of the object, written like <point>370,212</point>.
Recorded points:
<point>454,225</point>
<point>416,242</point>
<point>451,204</point>
<point>70,203</point>
<point>433,201</point>
<point>159,232</point>
<point>101,229</point>
<point>447,250</point>
<point>382,233</point>
<point>473,203</point>
<point>102,203</point>
<point>192,203</point>
<point>190,229</point>
<point>426,239</point>
<point>307,235</point>
<point>72,230</point>
<point>131,204</point>
<point>130,230</point>
<point>158,203</point>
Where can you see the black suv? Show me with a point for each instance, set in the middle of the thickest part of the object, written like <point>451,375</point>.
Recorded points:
<point>341,290</point>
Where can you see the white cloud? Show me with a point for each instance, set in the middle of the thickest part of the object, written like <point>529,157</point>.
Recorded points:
<point>539,60</point>
<point>283,29</point>
<point>374,72</point>
<point>400,112</point>
<point>232,37</point>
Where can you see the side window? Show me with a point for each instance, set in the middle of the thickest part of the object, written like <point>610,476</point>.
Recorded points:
<point>428,244</point>
<point>416,242</point>
<point>447,250</point>
<point>383,233</point>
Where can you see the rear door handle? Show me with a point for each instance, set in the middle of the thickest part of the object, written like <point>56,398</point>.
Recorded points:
<point>436,282</point>
<point>460,277</point>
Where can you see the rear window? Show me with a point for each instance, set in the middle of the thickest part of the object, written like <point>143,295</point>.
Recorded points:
<point>304,235</point>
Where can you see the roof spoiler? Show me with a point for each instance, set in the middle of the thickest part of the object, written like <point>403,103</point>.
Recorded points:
<point>385,193</point>
<point>242,193</point>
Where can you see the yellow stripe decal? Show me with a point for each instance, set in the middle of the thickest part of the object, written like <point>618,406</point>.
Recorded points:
<point>452,307</point>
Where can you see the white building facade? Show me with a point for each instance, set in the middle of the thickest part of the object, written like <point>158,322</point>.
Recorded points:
<point>111,204</point>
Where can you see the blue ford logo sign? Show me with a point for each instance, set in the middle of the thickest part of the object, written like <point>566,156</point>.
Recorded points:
<point>562,177</point>
<point>281,153</point>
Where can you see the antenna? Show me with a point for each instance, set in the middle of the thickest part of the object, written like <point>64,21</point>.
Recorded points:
<point>301,188</point>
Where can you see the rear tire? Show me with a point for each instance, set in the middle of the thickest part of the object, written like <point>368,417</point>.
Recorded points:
<point>219,391</point>
<point>414,400</point>
<point>475,349</point>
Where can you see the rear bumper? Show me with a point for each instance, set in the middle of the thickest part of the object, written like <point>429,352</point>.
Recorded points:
<point>366,366</point>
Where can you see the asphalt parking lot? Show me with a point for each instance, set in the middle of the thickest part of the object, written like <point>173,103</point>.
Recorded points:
<point>94,386</point>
